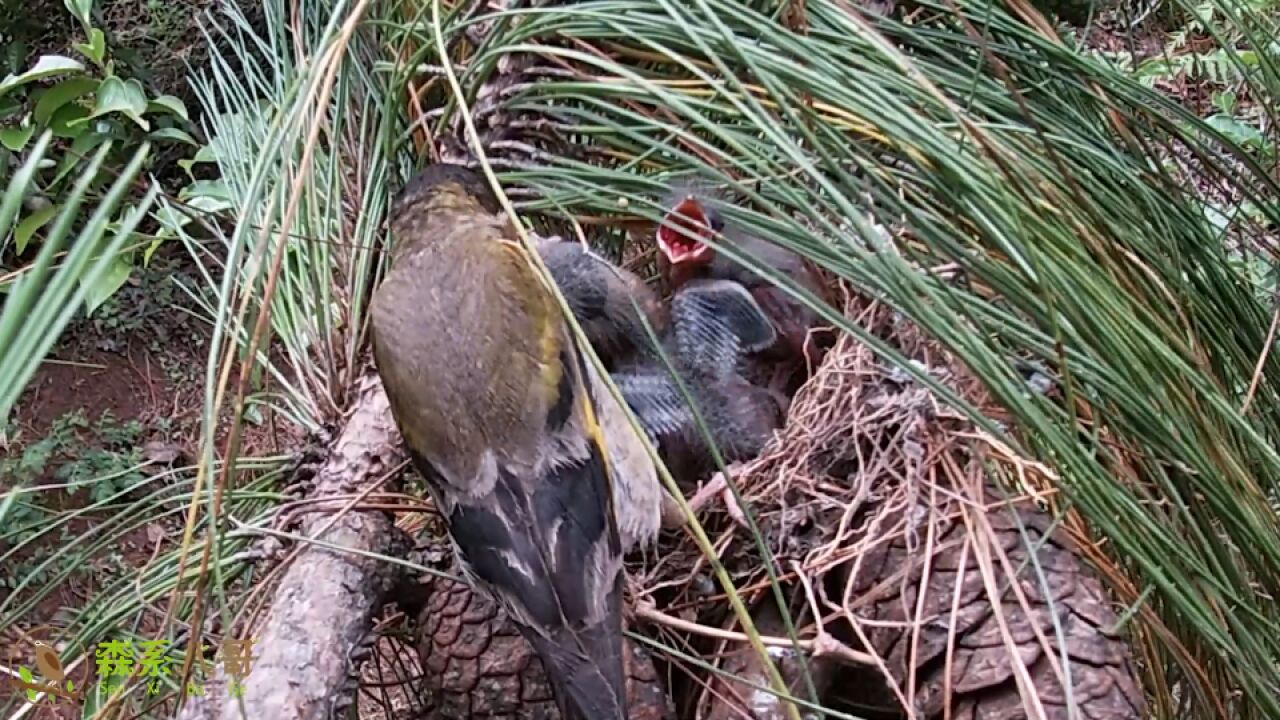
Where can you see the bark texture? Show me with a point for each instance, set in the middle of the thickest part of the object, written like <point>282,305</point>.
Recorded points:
<point>324,605</point>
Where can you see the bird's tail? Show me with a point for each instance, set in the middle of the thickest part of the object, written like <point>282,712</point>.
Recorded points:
<point>585,667</point>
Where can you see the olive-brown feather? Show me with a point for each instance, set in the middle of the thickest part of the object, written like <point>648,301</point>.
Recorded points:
<point>490,390</point>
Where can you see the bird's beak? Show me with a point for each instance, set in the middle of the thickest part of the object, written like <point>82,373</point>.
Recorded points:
<point>683,231</point>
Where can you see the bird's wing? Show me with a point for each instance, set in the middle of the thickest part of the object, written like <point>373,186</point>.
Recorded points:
<point>716,322</point>
<point>638,493</point>
<point>656,401</point>
<point>517,462</point>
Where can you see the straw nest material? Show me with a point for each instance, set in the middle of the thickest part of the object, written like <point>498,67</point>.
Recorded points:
<point>912,546</point>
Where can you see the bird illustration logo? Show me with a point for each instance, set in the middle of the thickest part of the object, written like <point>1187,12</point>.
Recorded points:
<point>48,664</point>
<point>55,682</point>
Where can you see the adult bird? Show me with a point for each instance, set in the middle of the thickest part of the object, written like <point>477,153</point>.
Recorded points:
<point>506,422</point>
<point>693,217</point>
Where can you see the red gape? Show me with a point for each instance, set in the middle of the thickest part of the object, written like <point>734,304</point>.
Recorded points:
<point>683,226</point>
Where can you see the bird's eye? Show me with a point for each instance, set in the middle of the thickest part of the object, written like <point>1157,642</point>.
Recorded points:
<point>714,221</point>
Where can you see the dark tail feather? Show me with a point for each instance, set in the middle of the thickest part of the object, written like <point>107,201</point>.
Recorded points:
<point>585,668</point>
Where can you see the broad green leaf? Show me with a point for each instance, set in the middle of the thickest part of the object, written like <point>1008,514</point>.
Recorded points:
<point>25,673</point>
<point>170,217</point>
<point>10,106</point>
<point>46,66</point>
<point>151,250</point>
<point>15,55</point>
<point>29,677</point>
<point>96,48</point>
<point>204,155</point>
<point>59,95</point>
<point>1241,133</point>
<point>168,103</point>
<point>1153,69</point>
<point>173,135</point>
<point>15,138</point>
<point>205,188</point>
<point>79,151</point>
<point>1224,101</point>
<point>30,224</point>
<point>68,121</point>
<point>82,10</point>
<point>253,414</point>
<point>210,203</point>
<point>123,96</point>
<point>113,278</point>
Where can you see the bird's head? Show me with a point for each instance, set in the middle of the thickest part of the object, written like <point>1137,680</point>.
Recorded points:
<point>438,189</point>
<point>684,230</point>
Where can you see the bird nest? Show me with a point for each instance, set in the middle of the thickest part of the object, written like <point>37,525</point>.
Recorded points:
<point>920,574</point>
<point>916,562</point>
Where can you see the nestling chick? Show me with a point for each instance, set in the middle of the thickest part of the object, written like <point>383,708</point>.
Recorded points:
<point>506,423</point>
<point>693,218</point>
<point>610,303</point>
<point>714,325</point>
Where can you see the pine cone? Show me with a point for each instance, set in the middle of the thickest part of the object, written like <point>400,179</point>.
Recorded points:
<point>478,665</point>
<point>1104,684</point>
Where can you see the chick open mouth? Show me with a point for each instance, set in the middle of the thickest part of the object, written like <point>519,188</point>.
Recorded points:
<point>682,231</point>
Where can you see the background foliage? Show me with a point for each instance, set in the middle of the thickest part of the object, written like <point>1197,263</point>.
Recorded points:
<point>1111,202</point>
